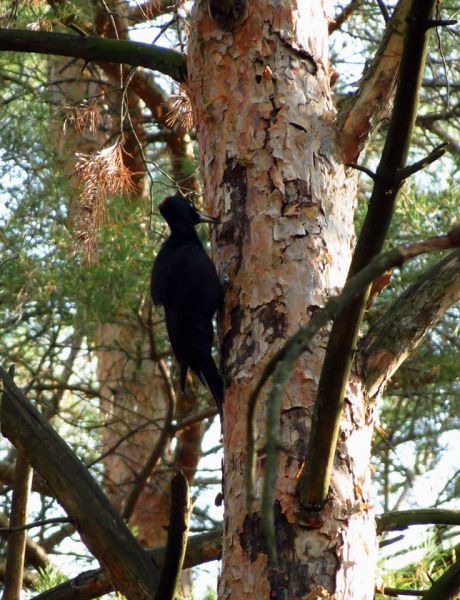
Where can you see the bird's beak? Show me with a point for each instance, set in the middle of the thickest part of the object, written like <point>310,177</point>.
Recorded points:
<point>207,218</point>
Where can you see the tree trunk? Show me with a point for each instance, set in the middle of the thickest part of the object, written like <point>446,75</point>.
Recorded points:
<point>266,128</point>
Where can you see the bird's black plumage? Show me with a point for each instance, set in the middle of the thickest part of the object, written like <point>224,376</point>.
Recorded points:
<point>185,282</point>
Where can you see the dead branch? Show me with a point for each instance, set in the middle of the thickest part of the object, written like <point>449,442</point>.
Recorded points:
<point>15,557</point>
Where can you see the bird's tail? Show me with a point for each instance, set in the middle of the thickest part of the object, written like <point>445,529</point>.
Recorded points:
<point>211,377</point>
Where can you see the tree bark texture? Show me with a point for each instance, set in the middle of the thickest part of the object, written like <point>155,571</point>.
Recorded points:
<point>266,127</point>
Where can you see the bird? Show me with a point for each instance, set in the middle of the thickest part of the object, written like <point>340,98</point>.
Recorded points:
<point>185,282</point>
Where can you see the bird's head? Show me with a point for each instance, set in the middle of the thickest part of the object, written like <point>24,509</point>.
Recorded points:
<point>180,213</point>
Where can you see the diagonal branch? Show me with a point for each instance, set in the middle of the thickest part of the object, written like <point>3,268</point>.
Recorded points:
<point>92,584</point>
<point>169,62</point>
<point>394,336</point>
<point>361,115</point>
<point>99,525</point>
<point>447,586</point>
<point>282,362</point>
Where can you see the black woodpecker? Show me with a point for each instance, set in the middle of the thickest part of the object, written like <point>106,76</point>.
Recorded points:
<point>185,282</point>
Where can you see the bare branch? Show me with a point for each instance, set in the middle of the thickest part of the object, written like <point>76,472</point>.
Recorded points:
<point>422,163</point>
<point>344,15</point>
<point>27,526</point>
<point>447,586</point>
<point>17,539</point>
<point>360,116</point>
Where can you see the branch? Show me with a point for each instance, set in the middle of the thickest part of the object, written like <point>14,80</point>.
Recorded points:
<point>413,168</point>
<point>401,519</point>
<point>437,128</point>
<point>36,555</point>
<point>344,15</point>
<point>384,11</point>
<point>14,570</point>
<point>447,586</point>
<point>150,9</point>
<point>179,520</point>
<point>99,525</point>
<point>27,526</point>
<point>315,478</point>
<point>92,584</point>
<point>394,336</point>
<point>360,116</point>
<point>396,592</point>
<point>281,364</point>
<point>168,62</point>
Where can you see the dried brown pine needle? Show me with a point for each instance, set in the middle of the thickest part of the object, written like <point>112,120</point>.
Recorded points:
<point>42,24</point>
<point>99,175</point>
<point>181,107</point>
<point>86,115</point>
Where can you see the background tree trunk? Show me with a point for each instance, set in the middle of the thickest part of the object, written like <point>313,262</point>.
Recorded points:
<point>266,128</point>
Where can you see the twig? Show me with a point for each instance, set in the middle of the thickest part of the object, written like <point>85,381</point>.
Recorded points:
<point>441,22</point>
<point>343,16</point>
<point>7,260</point>
<point>281,378</point>
<point>421,164</point>
<point>393,540</point>
<point>371,174</point>
<point>396,592</point>
<point>35,524</point>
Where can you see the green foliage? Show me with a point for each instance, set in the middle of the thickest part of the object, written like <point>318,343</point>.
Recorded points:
<point>48,578</point>
<point>432,561</point>
<point>210,594</point>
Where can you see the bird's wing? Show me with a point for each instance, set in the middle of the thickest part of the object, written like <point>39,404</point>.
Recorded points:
<point>160,276</point>
<point>193,283</point>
